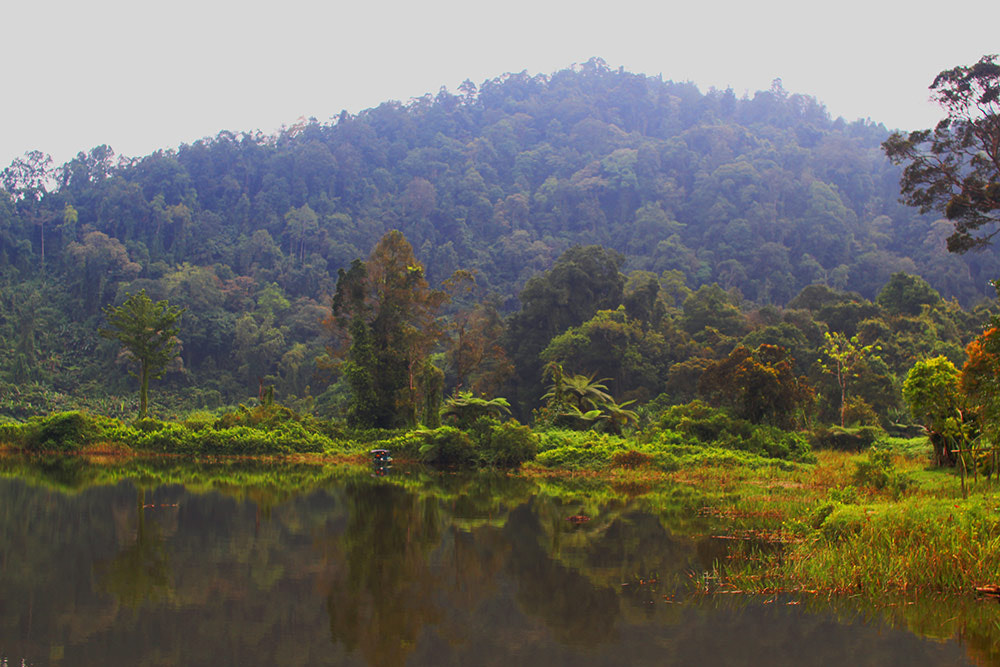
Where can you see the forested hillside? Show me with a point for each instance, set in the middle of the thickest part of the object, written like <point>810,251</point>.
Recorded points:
<point>762,195</point>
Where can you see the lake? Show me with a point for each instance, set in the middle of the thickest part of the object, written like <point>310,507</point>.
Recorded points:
<point>159,562</point>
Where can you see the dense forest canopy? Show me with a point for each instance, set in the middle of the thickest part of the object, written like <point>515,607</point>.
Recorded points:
<point>717,210</point>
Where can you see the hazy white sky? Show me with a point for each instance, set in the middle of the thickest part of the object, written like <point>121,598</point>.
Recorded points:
<point>141,75</point>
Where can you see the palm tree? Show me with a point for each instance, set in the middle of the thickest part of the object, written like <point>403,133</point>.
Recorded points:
<point>587,393</point>
<point>579,391</point>
<point>464,408</point>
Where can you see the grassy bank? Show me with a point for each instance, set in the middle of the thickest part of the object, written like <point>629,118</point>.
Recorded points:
<point>871,524</point>
<point>881,522</point>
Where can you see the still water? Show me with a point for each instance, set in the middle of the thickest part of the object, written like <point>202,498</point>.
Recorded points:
<point>158,563</point>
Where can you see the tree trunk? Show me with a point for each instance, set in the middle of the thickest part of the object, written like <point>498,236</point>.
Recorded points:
<point>143,389</point>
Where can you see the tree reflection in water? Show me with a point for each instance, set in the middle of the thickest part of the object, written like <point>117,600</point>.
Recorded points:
<point>315,565</point>
<point>141,571</point>
<point>384,594</point>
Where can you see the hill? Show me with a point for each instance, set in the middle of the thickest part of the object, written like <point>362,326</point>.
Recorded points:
<point>763,195</point>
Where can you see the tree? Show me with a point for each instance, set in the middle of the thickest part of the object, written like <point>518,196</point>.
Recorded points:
<point>614,345</point>
<point>906,295</point>
<point>711,306</point>
<point>26,180</point>
<point>580,401</point>
<point>980,379</point>
<point>474,353</point>
<point>845,356</point>
<point>388,313</point>
<point>931,391</point>
<point>759,385</point>
<point>148,333</point>
<point>955,168</point>
<point>583,280</point>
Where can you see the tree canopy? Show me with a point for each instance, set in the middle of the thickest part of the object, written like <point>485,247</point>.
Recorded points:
<point>147,332</point>
<point>955,168</point>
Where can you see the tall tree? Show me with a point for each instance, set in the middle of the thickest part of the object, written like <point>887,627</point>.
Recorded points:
<point>583,280</point>
<point>759,385</point>
<point>980,380</point>
<point>931,391</point>
<point>388,313</point>
<point>844,358</point>
<point>27,179</point>
<point>955,168</point>
<point>148,333</point>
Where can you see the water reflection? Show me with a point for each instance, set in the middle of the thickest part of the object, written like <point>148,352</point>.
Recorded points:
<point>140,571</point>
<point>158,562</point>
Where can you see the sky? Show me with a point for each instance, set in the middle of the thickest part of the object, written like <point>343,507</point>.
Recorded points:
<point>141,76</point>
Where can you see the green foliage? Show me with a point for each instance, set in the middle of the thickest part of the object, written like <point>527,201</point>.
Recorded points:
<point>931,391</point>
<point>879,472</point>
<point>485,442</point>
<point>507,445</point>
<point>906,295</point>
<point>687,435</point>
<point>953,168</point>
<point>614,345</point>
<point>712,307</point>
<point>148,332</point>
<point>580,402</point>
<point>249,232</point>
<point>582,281</point>
<point>63,431</point>
<point>463,409</point>
<point>447,447</point>
<point>844,358</point>
<point>717,428</point>
<point>578,449</point>
<point>259,431</point>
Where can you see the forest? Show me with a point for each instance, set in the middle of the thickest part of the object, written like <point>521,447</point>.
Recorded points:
<point>621,227</point>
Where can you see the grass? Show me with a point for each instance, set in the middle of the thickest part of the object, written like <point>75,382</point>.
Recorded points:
<point>846,534</point>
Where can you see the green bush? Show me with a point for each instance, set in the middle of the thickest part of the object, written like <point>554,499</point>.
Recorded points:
<point>714,427</point>
<point>851,439</point>
<point>579,449</point>
<point>507,445</point>
<point>703,422</point>
<point>842,520</point>
<point>62,431</point>
<point>447,446</point>
<point>879,472</point>
<point>778,444</point>
<point>148,425</point>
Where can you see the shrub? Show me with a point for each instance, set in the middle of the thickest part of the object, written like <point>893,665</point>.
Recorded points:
<point>701,421</point>
<point>447,446</point>
<point>464,409</point>
<point>631,459</point>
<point>507,445</point>
<point>853,439</point>
<point>62,431</point>
<point>879,472</point>
<point>578,449</point>
<point>199,419</point>
<point>12,432</point>
<point>778,444</point>
<point>148,425</point>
